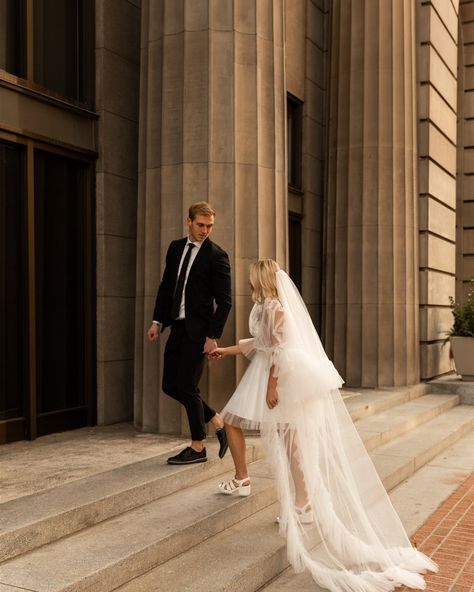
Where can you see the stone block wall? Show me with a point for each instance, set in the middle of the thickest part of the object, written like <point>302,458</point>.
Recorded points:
<point>465,185</point>
<point>437,36</point>
<point>117,85</point>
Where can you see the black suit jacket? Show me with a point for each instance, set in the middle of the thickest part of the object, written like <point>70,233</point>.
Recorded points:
<point>208,281</point>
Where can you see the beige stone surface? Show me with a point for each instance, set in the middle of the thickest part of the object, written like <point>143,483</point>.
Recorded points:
<point>468,240</point>
<point>435,322</point>
<point>434,359</point>
<point>434,108</point>
<point>295,42</point>
<point>116,205</point>
<point>433,30</point>
<point>115,328</point>
<point>448,11</point>
<point>437,218</point>
<point>213,135</point>
<point>47,121</point>
<point>436,287</point>
<point>437,182</point>
<point>437,146</point>
<point>32,466</point>
<point>433,69</point>
<point>437,253</point>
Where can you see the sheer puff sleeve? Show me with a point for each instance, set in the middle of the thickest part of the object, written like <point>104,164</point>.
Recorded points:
<point>270,334</point>
<point>266,326</point>
<point>247,347</point>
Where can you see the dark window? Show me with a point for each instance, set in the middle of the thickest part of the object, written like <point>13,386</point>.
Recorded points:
<point>294,244</point>
<point>62,46</point>
<point>13,299</point>
<point>60,214</point>
<point>13,36</point>
<point>295,141</point>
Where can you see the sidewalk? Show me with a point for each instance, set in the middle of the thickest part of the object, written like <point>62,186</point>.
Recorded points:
<point>448,538</point>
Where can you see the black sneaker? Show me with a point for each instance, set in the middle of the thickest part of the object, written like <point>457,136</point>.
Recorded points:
<point>188,456</point>
<point>223,445</point>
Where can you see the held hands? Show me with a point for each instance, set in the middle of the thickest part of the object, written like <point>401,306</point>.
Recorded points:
<point>217,354</point>
<point>209,346</point>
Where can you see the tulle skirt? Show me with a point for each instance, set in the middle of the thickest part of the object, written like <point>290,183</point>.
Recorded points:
<point>356,542</point>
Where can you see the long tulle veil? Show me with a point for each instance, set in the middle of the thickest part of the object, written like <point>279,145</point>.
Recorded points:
<point>356,541</point>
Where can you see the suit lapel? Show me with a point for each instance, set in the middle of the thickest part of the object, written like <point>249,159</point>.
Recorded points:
<point>178,252</point>
<point>201,256</point>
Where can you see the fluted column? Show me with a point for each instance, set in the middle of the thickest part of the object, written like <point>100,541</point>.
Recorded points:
<point>371,293</point>
<point>212,126</point>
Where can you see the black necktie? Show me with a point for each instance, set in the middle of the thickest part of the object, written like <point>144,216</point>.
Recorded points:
<point>178,293</point>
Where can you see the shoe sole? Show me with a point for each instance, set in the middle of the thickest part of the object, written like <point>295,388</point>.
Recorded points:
<point>222,453</point>
<point>186,462</point>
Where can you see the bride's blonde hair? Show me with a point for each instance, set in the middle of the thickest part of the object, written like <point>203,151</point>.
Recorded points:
<point>263,280</point>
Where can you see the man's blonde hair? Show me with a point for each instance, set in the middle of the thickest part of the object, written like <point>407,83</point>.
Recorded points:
<point>263,280</point>
<point>200,207</point>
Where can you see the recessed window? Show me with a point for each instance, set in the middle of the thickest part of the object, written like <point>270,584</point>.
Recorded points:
<point>13,295</point>
<point>294,248</point>
<point>13,36</point>
<point>295,141</point>
<point>62,41</point>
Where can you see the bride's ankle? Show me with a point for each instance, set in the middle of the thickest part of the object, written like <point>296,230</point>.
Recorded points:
<point>303,505</point>
<point>244,478</point>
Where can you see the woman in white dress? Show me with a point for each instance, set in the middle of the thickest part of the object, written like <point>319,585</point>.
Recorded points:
<point>336,515</point>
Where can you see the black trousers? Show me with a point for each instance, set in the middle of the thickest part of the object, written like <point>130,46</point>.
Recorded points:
<point>183,366</point>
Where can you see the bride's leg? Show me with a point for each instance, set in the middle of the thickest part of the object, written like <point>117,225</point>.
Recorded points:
<point>301,493</point>
<point>236,440</point>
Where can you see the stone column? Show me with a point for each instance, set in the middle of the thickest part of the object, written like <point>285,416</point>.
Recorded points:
<point>212,126</point>
<point>371,293</point>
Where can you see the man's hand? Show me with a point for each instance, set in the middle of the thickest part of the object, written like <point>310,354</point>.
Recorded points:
<point>153,332</point>
<point>209,346</point>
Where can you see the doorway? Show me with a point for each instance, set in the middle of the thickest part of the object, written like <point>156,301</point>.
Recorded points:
<point>47,292</point>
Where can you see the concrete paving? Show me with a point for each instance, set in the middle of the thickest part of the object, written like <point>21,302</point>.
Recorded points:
<point>29,467</point>
<point>118,488</point>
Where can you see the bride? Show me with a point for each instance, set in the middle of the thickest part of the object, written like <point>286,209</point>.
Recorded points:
<point>336,515</point>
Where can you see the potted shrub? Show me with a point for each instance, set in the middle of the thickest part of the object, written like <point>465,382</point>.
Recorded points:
<point>461,335</point>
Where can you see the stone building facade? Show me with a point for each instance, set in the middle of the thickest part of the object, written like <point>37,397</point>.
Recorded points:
<point>335,136</point>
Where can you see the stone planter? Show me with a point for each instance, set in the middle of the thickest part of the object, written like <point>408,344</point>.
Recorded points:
<point>463,352</point>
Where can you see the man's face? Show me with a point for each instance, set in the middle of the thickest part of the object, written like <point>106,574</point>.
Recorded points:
<point>201,227</point>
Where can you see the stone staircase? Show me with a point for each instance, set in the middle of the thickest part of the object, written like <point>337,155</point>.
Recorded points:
<point>148,527</point>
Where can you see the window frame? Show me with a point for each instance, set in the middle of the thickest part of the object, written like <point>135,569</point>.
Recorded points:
<point>85,65</point>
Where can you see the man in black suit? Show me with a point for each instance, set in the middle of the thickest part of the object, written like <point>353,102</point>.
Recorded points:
<point>197,274</point>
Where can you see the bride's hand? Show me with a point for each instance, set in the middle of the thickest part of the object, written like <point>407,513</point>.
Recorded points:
<point>216,354</point>
<point>272,396</point>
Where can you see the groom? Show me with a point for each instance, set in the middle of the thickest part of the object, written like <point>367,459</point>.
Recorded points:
<point>196,275</point>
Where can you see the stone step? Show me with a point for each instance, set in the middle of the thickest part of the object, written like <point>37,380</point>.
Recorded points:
<point>38,519</point>
<point>240,559</point>
<point>363,403</point>
<point>403,456</point>
<point>414,499</point>
<point>34,520</point>
<point>229,567</point>
<point>108,554</point>
<point>383,427</point>
<point>231,543</point>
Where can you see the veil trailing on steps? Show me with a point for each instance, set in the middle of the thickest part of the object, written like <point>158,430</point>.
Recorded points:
<point>356,541</point>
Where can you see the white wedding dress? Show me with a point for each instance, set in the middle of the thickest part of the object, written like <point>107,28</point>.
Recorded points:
<point>356,542</point>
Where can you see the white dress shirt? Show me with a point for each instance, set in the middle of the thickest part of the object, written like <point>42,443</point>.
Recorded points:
<point>194,252</point>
